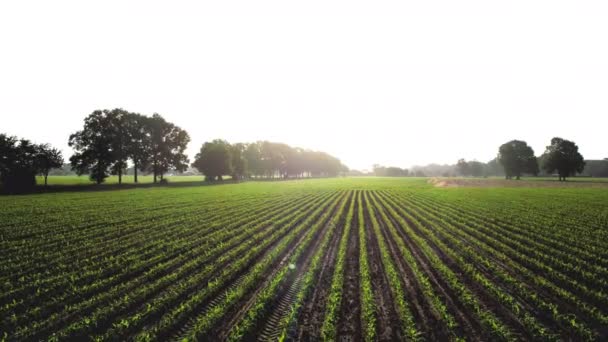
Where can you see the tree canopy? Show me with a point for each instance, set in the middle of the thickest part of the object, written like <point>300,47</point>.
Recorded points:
<point>563,156</point>
<point>390,171</point>
<point>215,159</point>
<point>517,158</point>
<point>110,138</point>
<point>263,159</point>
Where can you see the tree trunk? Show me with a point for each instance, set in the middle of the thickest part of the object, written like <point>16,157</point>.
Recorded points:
<point>119,175</point>
<point>135,172</point>
<point>46,176</point>
<point>155,172</point>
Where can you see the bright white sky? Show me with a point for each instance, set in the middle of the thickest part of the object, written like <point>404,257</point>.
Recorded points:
<point>396,83</point>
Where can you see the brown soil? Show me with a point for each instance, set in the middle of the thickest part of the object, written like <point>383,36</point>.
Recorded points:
<point>313,313</point>
<point>349,318</point>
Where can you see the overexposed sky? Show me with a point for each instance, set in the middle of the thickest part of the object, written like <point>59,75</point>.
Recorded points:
<point>396,83</point>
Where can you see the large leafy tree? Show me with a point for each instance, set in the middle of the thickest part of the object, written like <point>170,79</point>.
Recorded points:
<point>214,159</point>
<point>46,159</point>
<point>168,144</point>
<point>563,156</point>
<point>93,145</point>
<point>517,158</point>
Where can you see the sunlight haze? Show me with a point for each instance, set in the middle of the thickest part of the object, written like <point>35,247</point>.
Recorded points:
<point>395,83</point>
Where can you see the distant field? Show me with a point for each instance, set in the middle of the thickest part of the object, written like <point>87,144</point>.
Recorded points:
<point>84,180</point>
<point>326,259</point>
<point>525,182</point>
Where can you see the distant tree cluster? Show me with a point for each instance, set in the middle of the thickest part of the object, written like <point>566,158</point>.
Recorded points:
<point>596,168</point>
<point>561,156</point>
<point>111,138</point>
<point>21,160</point>
<point>390,171</point>
<point>263,159</point>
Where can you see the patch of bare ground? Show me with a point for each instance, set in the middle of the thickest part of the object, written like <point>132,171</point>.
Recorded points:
<point>447,182</point>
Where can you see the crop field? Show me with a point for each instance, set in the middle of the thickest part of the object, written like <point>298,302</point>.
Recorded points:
<point>328,259</point>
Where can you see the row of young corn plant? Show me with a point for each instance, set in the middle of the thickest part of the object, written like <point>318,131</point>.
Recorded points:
<point>165,288</point>
<point>432,298</point>
<point>368,307</point>
<point>496,290</point>
<point>533,228</point>
<point>522,290</point>
<point>334,300</point>
<point>263,300</point>
<point>94,232</point>
<point>290,320</point>
<point>203,323</point>
<point>477,271</point>
<point>65,288</point>
<point>408,327</point>
<point>495,328</point>
<point>558,256</point>
<point>555,281</point>
<point>180,298</point>
<point>538,214</point>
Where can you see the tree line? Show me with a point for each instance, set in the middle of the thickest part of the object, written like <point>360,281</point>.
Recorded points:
<point>517,158</point>
<point>263,159</point>
<point>514,159</point>
<point>112,138</point>
<point>111,141</point>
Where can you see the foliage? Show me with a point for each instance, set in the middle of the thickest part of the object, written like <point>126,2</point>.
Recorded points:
<point>517,158</point>
<point>110,138</point>
<point>46,159</point>
<point>215,159</point>
<point>167,147</point>
<point>563,156</point>
<point>21,161</point>
<point>391,171</point>
<point>263,159</point>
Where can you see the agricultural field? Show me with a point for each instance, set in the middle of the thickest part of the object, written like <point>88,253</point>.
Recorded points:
<point>327,259</point>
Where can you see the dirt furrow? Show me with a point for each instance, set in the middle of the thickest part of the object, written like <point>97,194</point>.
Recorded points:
<point>311,317</point>
<point>429,323</point>
<point>349,318</point>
